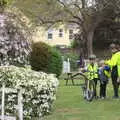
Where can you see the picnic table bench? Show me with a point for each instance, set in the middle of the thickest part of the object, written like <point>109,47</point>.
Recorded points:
<point>74,76</point>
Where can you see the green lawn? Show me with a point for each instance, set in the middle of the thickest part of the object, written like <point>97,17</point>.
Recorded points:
<point>70,105</point>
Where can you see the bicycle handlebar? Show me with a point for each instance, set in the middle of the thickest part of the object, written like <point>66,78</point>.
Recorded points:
<point>80,73</point>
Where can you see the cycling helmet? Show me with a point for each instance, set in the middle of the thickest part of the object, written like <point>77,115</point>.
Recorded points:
<point>92,57</point>
<point>112,46</point>
<point>107,68</point>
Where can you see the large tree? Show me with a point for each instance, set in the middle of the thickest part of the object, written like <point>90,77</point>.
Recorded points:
<point>87,14</point>
<point>4,4</point>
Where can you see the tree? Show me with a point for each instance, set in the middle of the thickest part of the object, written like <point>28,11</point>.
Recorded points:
<point>14,35</point>
<point>14,44</point>
<point>4,4</point>
<point>87,14</point>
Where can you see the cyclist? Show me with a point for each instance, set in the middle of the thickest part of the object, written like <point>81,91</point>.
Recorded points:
<point>92,72</point>
<point>104,75</point>
<point>114,63</point>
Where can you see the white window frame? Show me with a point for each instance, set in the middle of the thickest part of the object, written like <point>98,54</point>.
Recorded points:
<point>71,33</point>
<point>50,34</point>
<point>60,33</point>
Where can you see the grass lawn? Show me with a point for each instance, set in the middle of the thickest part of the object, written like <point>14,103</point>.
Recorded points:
<point>70,105</point>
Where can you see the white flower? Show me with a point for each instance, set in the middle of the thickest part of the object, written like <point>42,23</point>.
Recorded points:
<point>38,88</point>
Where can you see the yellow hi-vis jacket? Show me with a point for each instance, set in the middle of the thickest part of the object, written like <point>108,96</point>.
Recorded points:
<point>107,73</point>
<point>114,61</point>
<point>92,71</point>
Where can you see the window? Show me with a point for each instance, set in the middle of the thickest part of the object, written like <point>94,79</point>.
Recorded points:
<point>70,34</point>
<point>50,34</point>
<point>60,32</point>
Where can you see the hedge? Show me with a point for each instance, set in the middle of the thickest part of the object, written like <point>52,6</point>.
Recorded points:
<point>38,89</point>
<point>46,58</point>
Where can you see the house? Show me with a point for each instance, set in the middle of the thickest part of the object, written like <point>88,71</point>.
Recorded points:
<point>61,35</point>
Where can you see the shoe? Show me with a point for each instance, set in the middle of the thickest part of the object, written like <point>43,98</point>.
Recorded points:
<point>83,87</point>
<point>96,97</point>
<point>84,97</point>
<point>115,97</point>
<point>102,98</point>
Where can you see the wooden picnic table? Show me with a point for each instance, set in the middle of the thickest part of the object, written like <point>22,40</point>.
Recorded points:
<point>73,76</point>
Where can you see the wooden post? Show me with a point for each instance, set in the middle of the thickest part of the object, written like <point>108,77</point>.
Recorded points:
<point>68,63</point>
<point>20,105</point>
<point>3,101</point>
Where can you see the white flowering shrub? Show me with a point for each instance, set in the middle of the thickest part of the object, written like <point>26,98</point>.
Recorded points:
<point>14,43</point>
<point>38,89</point>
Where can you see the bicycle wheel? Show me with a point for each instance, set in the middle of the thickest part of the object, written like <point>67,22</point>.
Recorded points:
<point>90,90</point>
<point>87,88</point>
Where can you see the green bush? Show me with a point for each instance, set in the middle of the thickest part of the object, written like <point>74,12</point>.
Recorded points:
<point>55,63</point>
<point>45,58</point>
<point>39,56</point>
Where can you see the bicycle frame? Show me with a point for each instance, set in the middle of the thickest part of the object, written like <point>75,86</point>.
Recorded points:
<point>88,90</point>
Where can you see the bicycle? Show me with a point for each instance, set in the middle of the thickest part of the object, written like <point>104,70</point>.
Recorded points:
<point>88,88</point>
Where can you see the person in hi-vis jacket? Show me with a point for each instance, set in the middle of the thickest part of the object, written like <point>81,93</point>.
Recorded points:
<point>114,63</point>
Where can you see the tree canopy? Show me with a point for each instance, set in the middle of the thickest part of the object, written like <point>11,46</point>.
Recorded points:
<point>86,14</point>
<point>14,36</point>
<point>4,4</point>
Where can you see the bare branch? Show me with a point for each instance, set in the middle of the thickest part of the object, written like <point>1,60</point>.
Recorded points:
<point>62,3</point>
<point>83,3</point>
<point>76,5</point>
<point>70,12</point>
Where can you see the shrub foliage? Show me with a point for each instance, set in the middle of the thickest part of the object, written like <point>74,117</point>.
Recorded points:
<point>38,89</point>
<point>55,63</point>
<point>14,44</point>
<point>45,58</point>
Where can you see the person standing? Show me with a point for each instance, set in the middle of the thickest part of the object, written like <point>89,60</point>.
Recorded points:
<point>114,63</point>
<point>104,75</point>
<point>92,72</point>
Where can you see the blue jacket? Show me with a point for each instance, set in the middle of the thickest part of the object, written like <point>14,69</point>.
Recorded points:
<point>102,74</point>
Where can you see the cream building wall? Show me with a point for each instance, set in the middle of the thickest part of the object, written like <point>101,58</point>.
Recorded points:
<point>41,34</point>
<point>65,32</point>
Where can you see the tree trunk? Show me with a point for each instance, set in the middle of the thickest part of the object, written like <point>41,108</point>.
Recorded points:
<point>90,42</point>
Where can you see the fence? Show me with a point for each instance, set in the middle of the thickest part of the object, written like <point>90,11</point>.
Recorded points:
<point>18,107</point>
<point>66,66</point>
